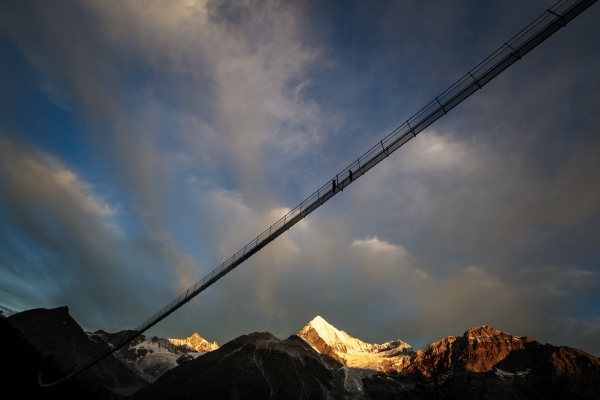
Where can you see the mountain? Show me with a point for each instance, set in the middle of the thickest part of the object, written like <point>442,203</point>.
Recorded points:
<point>254,366</point>
<point>319,362</point>
<point>195,343</point>
<point>487,363</point>
<point>478,350</point>
<point>20,365</point>
<point>56,333</point>
<point>141,362</point>
<point>352,352</point>
<point>152,357</point>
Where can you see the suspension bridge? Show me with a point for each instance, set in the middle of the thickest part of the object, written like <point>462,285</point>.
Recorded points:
<point>551,21</point>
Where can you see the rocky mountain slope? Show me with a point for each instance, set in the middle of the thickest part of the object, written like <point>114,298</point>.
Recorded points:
<point>254,366</point>
<point>152,357</point>
<point>20,364</point>
<point>487,363</point>
<point>478,350</point>
<point>57,334</point>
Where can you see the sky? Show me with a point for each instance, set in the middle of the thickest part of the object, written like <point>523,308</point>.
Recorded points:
<point>142,143</point>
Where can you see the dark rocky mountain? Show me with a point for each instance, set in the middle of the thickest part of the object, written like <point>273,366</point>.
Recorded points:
<point>254,366</point>
<point>56,333</point>
<point>20,363</point>
<point>141,362</point>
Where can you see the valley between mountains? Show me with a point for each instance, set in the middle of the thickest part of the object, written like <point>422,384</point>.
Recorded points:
<point>318,362</point>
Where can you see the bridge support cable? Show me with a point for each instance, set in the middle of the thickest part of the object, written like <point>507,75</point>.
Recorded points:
<point>526,40</point>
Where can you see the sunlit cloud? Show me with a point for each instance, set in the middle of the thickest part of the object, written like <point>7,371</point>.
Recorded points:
<point>374,244</point>
<point>151,141</point>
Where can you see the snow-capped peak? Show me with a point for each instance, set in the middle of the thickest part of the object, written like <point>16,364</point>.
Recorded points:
<point>195,343</point>
<point>341,342</point>
<point>326,331</point>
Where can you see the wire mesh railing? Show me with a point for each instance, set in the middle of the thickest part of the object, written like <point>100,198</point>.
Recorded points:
<point>532,35</point>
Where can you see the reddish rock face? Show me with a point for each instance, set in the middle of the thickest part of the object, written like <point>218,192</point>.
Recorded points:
<point>438,355</point>
<point>478,350</point>
<point>483,347</point>
<point>569,361</point>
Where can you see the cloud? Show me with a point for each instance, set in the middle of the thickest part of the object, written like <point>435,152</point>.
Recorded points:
<point>7,311</point>
<point>54,213</point>
<point>58,232</point>
<point>208,120</point>
<point>233,76</point>
<point>584,329</point>
<point>36,182</point>
<point>378,246</point>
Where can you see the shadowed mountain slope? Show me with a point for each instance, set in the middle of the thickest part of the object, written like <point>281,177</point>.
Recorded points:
<point>254,366</point>
<point>56,333</point>
<point>20,363</point>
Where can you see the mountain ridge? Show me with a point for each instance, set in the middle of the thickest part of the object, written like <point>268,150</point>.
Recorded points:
<point>321,361</point>
<point>141,362</point>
